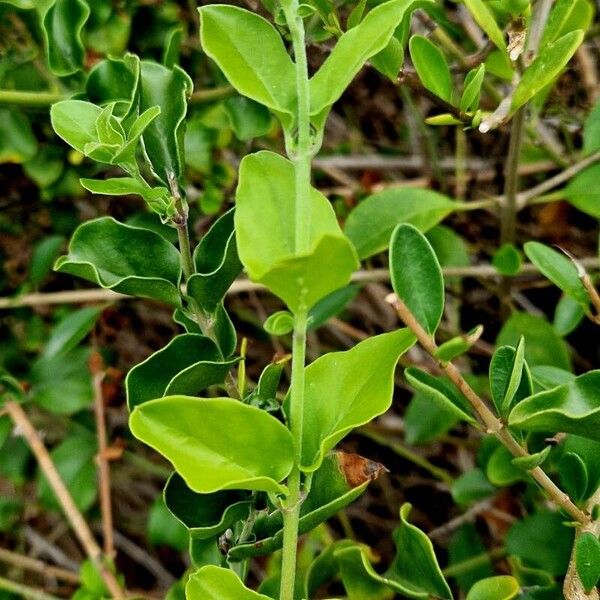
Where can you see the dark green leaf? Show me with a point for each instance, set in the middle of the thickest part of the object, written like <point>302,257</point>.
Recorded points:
<point>71,330</point>
<point>587,560</point>
<point>17,142</point>
<point>472,486</point>
<point>573,476</point>
<point>43,257</point>
<point>507,260</point>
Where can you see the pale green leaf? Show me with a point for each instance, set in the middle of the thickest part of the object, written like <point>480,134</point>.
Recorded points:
<point>431,66</point>
<point>215,583</point>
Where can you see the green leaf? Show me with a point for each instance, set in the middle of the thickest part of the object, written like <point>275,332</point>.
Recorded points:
<point>465,544</point>
<point>507,260</point>
<point>115,80</point>
<point>591,127</point>
<point>75,122</point>
<point>370,225</point>
<point>338,482</point>
<point>527,463</point>
<point>331,305</point>
<point>414,573</point>
<point>351,52</point>
<point>425,421</point>
<point>74,462</point>
<point>567,16</point>
<point>583,193</point>
<point>324,568</point>
<point>125,259</point>
<point>205,515</point>
<point>573,476</point>
<point>501,587</point>
<point>17,142</point>
<point>163,529</point>
<point>71,330</point>
<point>265,231</point>
<point>251,54</point>
<point>500,469</point>
<point>357,386</point>
<point>417,276</point>
<point>62,26</point>
<point>558,269</point>
<point>589,453</point>
<point>123,186</point>
<point>248,119</point>
<point>389,60</point>
<point>163,137</point>
<point>568,315</point>
<point>528,539</point>
<point>188,364</point>
<point>546,68</point>
<point>506,371</point>
<point>42,258</point>
<point>469,100</point>
<point>440,392</point>
<point>217,264</point>
<point>217,443</point>
<point>279,323</point>
<point>458,345</point>
<point>431,66</point>
<point>587,560</point>
<point>472,486</point>
<point>542,345</point>
<point>572,408</point>
<point>485,19</point>
<point>216,583</point>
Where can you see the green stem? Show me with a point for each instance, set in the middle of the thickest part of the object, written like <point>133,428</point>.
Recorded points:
<point>187,264</point>
<point>468,565</point>
<point>22,98</point>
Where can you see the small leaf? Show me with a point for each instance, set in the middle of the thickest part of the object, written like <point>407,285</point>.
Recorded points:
<point>507,260</point>
<point>469,100</point>
<point>42,258</point>
<point>188,364</point>
<point>163,529</point>
<point>331,305</point>
<point>573,476</point>
<point>440,392</point>
<point>75,122</point>
<point>485,19</point>
<point>217,264</point>
<point>417,276</point>
<point>572,408</point>
<point>506,371</point>
<point>370,225</point>
<point>279,323</point>
<point>527,463</point>
<point>583,193</point>
<point>558,269</point>
<point>500,469</point>
<point>431,66</point>
<point>568,315</point>
<point>217,443</point>
<point>115,80</point>
<point>389,60</point>
<point>587,560</point>
<point>71,330</point>
<point>359,384</point>
<point>122,186</point>
<point>458,345</point>
<point>352,50</point>
<point>251,54</point>
<point>566,16</point>
<point>125,259</point>
<point>501,587</point>
<point>546,68</point>
<point>266,197</point>
<point>17,141</point>
<point>215,583</point>
<point>62,25</point>
<point>472,486</point>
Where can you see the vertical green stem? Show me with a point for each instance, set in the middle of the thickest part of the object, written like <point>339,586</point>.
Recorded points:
<point>187,263</point>
<point>301,155</point>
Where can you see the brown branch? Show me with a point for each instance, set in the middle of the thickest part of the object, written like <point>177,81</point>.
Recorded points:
<point>38,566</point>
<point>74,516</point>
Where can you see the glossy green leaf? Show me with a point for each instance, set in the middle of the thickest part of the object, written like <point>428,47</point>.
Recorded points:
<point>500,469</point>
<point>254,451</point>
<point>188,364</point>
<point>507,260</point>
<point>572,408</point>
<point>588,451</point>
<point>216,583</point>
<point>567,16</point>
<point>74,461</point>
<point>501,587</point>
<point>587,560</point>
<point>266,196</point>
<point>351,52</point>
<point>528,539</point>
<point>279,323</point>
<point>62,25</point>
<point>485,19</point>
<point>217,264</point>
<point>251,54</point>
<point>573,475</point>
<point>542,345</point>
<point>344,390</point>
<point>526,463</point>
<point>338,482</point>
<point>469,100</point>
<point>414,572</point>
<point>17,142</point>
<point>472,486</point>
<point>123,186</point>
<point>558,269</point>
<point>417,276</point>
<point>163,137</point>
<point>205,515</point>
<point>458,345</point>
<point>370,225</point>
<point>71,330</point>
<point>583,193</point>
<point>125,259</point>
<point>114,80</point>
<point>389,60</point>
<point>546,68</point>
<point>568,315</point>
<point>506,371</point>
<point>440,392</point>
<point>431,66</point>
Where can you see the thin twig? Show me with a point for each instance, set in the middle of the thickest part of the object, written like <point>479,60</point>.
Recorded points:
<point>491,423</point>
<point>38,566</point>
<point>74,516</point>
<point>25,591</point>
